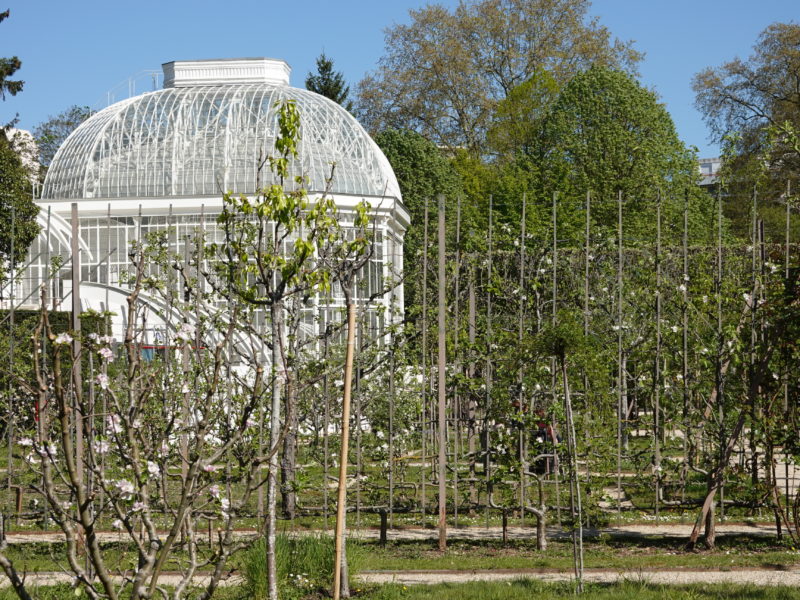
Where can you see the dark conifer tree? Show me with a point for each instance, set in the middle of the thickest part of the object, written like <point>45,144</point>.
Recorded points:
<point>329,83</point>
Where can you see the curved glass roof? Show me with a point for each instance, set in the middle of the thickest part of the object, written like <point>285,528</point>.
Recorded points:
<point>203,140</point>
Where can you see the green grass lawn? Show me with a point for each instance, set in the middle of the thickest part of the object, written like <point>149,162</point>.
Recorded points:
<point>524,590</point>
<point>614,553</point>
<point>511,590</point>
<point>628,554</point>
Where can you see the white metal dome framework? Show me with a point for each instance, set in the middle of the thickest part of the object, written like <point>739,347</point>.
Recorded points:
<point>163,160</point>
<point>202,141</point>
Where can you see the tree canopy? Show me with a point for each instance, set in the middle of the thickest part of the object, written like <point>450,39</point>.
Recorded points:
<point>9,66</point>
<point>423,172</point>
<point>601,133</point>
<point>14,179</point>
<point>753,106</point>
<point>606,133</point>
<point>329,83</point>
<point>51,133</point>
<point>16,186</point>
<point>444,73</point>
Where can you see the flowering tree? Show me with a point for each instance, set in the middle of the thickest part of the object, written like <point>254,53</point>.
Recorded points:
<point>153,444</point>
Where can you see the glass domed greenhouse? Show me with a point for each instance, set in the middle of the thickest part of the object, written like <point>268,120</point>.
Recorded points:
<point>163,160</point>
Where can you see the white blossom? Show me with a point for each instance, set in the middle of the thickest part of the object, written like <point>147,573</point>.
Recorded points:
<point>63,338</point>
<point>26,441</point>
<point>186,332</point>
<point>117,524</point>
<point>114,424</point>
<point>125,489</point>
<point>214,491</point>
<point>102,381</point>
<point>106,354</point>
<point>101,446</point>
<point>153,468</point>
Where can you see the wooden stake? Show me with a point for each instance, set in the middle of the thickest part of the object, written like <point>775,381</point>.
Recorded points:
<point>341,506</point>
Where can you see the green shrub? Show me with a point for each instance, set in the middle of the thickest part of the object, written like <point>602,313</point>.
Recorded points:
<point>304,565</point>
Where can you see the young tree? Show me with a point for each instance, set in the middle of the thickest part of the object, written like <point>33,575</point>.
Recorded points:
<point>329,83</point>
<point>443,73</point>
<point>280,249</point>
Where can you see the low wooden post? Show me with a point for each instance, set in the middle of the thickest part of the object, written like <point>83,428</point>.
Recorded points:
<point>505,527</point>
<point>384,527</point>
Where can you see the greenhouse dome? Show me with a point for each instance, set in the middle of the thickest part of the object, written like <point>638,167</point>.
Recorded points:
<point>207,132</point>
<point>161,161</point>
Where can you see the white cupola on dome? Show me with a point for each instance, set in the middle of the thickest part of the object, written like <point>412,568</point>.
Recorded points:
<point>225,71</point>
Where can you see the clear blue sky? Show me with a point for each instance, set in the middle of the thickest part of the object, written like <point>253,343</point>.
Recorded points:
<point>77,52</point>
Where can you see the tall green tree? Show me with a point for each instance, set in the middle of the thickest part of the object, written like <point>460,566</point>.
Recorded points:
<point>423,172</point>
<point>607,134</point>
<point>444,72</point>
<point>15,185</point>
<point>15,196</point>
<point>754,104</point>
<point>50,134</point>
<point>329,83</point>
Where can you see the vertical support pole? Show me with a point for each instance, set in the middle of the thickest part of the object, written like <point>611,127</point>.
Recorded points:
<point>586,312</point>
<point>488,374</point>
<point>753,339</point>
<point>424,423</point>
<point>720,345</point>
<point>786,380</point>
<point>392,374</point>
<point>620,366</point>
<point>441,383</point>
<point>359,416</point>
<point>341,505</point>
<point>456,397</point>
<point>41,416</point>
<point>11,348</point>
<point>520,392</point>
<point>472,328</point>
<point>326,423</point>
<point>685,331</point>
<point>554,379</point>
<point>657,367</point>
<point>77,383</point>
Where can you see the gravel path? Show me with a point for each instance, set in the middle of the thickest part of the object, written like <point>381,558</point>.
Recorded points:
<point>661,576</point>
<point>670,530</point>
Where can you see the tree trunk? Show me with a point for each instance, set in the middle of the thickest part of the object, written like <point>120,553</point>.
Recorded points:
<point>276,318</point>
<point>710,534</point>
<point>289,456</point>
<point>541,532</point>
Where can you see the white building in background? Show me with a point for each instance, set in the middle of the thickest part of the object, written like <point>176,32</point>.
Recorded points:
<point>709,171</point>
<point>163,159</point>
